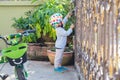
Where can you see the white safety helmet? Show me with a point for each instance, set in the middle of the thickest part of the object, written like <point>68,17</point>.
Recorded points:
<point>55,19</point>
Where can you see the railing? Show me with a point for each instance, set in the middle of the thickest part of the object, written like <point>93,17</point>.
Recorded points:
<point>97,41</point>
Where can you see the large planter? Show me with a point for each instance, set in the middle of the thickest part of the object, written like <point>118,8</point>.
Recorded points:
<point>67,57</point>
<point>37,52</point>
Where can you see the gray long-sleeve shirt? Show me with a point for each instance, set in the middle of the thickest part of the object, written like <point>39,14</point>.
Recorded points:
<point>62,35</point>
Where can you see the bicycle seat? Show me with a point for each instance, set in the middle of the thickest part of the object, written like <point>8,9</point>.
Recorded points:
<point>15,52</point>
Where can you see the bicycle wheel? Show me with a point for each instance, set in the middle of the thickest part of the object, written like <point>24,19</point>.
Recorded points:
<point>20,72</point>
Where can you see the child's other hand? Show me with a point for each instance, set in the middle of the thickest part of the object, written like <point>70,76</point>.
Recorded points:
<point>72,26</point>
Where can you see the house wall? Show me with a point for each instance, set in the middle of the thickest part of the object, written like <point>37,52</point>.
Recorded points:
<point>10,10</point>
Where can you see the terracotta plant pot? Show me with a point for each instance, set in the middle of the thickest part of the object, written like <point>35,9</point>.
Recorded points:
<point>37,52</point>
<point>67,57</point>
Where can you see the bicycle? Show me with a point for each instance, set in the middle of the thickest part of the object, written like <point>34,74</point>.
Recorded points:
<point>15,54</point>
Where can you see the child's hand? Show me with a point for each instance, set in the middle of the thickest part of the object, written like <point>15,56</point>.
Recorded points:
<point>72,26</point>
<point>69,15</point>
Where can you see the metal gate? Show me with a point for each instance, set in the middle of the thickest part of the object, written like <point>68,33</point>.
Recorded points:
<point>97,39</point>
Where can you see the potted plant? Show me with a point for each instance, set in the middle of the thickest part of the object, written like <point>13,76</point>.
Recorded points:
<point>39,20</point>
<point>42,15</point>
<point>67,55</point>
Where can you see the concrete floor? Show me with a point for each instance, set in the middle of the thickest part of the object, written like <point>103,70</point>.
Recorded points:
<point>40,70</point>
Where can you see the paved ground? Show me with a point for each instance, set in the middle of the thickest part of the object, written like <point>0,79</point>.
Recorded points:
<point>41,70</point>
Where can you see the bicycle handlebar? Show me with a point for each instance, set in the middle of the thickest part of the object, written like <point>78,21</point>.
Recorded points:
<point>27,32</point>
<point>14,39</point>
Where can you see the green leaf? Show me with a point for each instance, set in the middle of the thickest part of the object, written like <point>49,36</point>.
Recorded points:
<point>38,30</point>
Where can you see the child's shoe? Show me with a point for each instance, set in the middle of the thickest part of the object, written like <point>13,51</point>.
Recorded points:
<point>59,70</point>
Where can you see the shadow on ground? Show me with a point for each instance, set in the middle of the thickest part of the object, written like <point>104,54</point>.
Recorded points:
<point>40,70</point>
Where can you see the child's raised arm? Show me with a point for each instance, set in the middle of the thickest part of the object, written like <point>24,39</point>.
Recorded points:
<point>66,18</point>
